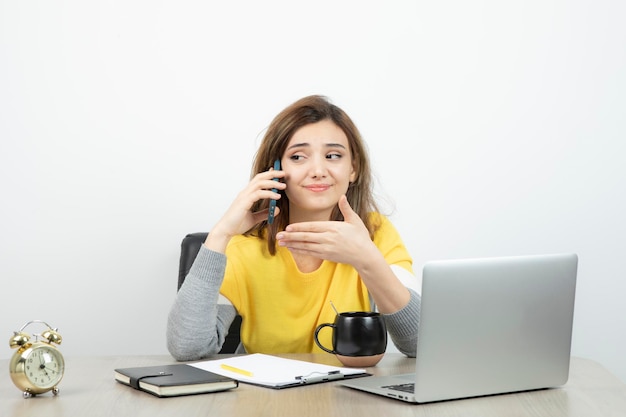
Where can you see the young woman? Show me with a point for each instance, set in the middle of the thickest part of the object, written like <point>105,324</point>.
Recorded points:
<point>328,243</point>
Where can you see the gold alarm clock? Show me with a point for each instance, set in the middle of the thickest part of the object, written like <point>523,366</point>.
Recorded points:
<point>37,366</point>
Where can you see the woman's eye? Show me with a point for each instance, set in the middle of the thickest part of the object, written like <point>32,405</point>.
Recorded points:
<point>296,157</point>
<point>333,156</point>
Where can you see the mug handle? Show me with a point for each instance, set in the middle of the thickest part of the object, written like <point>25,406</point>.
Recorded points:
<point>317,342</point>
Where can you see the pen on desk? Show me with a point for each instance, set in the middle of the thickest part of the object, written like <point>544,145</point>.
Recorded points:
<point>236,370</point>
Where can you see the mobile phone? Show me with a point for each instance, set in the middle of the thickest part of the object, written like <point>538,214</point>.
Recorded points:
<point>270,215</point>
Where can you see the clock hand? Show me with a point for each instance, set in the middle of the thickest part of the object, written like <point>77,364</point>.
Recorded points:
<point>54,371</point>
<point>43,368</point>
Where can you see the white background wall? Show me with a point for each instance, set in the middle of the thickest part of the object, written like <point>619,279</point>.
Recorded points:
<point>495,128</point>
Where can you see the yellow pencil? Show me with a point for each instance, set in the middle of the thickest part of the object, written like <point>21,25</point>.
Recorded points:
<point>236,370</point>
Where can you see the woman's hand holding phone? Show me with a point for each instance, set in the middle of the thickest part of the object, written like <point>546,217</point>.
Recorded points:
<point>239,217</point>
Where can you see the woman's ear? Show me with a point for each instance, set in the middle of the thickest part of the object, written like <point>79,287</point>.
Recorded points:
<point>353,174</point>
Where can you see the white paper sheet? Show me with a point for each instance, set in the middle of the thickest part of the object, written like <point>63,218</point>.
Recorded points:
<point>273,371</point>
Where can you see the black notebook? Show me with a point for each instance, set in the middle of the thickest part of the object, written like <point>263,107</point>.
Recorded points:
<point>173,380</point>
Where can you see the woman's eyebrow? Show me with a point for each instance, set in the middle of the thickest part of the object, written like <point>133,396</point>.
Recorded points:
<point>306,144</point>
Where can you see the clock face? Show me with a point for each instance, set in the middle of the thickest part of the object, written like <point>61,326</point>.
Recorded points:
<point>44,367</point>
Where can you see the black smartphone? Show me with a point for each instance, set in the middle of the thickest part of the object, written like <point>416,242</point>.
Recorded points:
<point>270,215</point>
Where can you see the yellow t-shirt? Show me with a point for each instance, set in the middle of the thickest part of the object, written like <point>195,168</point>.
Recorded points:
<point>281,306</point>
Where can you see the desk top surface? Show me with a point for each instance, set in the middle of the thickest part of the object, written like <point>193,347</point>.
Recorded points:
<point>89,389</point>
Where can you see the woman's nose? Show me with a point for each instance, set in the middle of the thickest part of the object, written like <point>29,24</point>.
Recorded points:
<point>318,167</point>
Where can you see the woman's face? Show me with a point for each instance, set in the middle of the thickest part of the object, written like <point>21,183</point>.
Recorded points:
<point>318,170</point>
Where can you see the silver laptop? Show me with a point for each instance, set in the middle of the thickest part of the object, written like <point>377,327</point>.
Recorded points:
<point>488,326</point>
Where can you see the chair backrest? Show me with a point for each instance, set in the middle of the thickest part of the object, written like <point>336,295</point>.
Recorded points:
<point>189,249</point>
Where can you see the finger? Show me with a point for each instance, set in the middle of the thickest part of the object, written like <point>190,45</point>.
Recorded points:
<point>346,210</point>
<point>267,177</point>
<point>309,227</point>
<point>301,239</point>
<point>270,184</point>
<point>275,173</point>
<point>311,248</point>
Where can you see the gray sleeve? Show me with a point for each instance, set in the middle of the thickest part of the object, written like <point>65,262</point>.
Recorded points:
<point>402,325</point>
<point>197,325</point>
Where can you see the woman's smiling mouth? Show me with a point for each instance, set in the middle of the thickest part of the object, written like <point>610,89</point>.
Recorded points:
<point>317,187</point>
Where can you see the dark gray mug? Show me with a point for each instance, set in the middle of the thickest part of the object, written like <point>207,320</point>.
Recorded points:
<point>359,338</point>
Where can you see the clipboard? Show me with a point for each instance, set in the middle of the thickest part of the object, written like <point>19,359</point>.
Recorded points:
<point>276,372</point>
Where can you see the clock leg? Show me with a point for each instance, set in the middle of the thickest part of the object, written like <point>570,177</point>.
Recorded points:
<point>55,391</point>
<point>27,394</point>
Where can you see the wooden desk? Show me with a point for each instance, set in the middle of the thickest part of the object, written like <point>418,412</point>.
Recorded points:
<point>88,389</point>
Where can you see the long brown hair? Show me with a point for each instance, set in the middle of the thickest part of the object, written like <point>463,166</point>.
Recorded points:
<point>313,109</point>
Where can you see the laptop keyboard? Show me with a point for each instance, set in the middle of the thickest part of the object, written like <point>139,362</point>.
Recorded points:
<point>409,387</point>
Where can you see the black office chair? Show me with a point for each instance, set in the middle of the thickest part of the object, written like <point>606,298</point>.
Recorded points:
<point>189,248</point>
